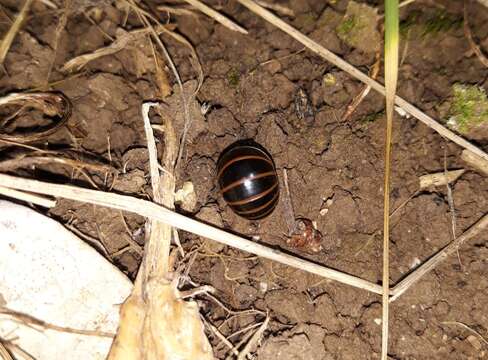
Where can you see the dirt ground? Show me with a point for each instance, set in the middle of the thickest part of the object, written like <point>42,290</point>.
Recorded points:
<point>252,88</point>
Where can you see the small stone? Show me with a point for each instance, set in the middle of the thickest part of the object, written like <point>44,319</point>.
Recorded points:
<point>186,197</point>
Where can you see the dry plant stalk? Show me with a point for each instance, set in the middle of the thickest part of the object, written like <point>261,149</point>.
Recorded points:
<point>14,29</point>
<point>51,103</point>
<point>154,211</point>
<point>207,10</point>
<point>155,322</point>
<point>30,198</point>
<point>475,161</point>
<point>353,71</point>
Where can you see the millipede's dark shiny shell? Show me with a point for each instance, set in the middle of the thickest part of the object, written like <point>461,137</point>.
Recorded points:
<point>248,180</point>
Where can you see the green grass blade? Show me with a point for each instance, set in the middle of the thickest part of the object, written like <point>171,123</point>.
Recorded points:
<point>391,76</point>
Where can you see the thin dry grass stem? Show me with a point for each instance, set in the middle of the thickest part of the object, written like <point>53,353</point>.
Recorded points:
<point>247,328</point>
<point>345,66</point>
<point>177,11</point>
<point>94,242</point>
<point>430,264</point>
<point>18,350</point>
<point>30,198</point>
<point>63,20</point>
<point>52,104</point>
<point>220,336</point>
<point>450,198</point>
<point>162,80</point>
<point>132,244</point>
<point>467,32</point>
<point>280,9</point>
<point>98,27</point>
<point>360,97</point>
<point>225,21</point>
<point>156,261</point>
<point>464,326</point>
<point>204,289</point>
<point>288,204</point>
<point>153,211</point>
<point>42,325</point>
<point>29,160</point>
<point>12,32</point>
<point>123,39</point>
<point>244,339</point>
<point>254,340</point>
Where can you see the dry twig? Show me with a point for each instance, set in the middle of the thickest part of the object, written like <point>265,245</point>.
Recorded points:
<point>153,211</point>
<point>30,198</point>
<point>207,10</point>
<point>14,29</point>
<point>475,161</point>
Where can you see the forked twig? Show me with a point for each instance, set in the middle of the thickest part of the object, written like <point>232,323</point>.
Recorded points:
<point>33,321</point>
<point>353,71</point>
<point>254,340</point>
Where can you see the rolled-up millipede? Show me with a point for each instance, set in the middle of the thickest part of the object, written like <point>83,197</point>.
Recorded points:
<point>248,180</point>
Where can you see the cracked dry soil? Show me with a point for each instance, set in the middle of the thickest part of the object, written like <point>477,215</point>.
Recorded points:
<point>335,169</point>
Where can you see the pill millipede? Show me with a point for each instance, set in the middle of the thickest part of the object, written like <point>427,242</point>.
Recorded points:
<point>248,180</point>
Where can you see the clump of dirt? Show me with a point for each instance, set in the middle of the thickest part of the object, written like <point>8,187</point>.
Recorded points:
<point>264,86</point>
